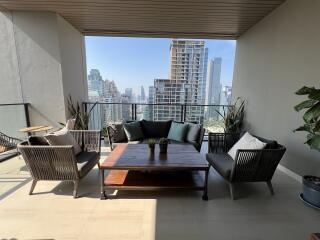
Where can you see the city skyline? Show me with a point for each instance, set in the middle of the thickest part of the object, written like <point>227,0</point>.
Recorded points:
<point>136,62</point>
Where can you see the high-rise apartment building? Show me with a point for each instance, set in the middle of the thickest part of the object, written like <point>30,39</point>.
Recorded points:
<point>214,86</point>
<point>148,113</point>
<point>186,83</point>
<point>142,95</point>
<point>95,82</point>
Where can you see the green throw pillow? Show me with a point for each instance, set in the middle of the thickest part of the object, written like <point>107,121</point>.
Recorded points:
<point>178,131</point>
<point>133,131</point>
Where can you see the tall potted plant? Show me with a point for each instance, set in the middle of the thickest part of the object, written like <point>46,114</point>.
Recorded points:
<point>233,120</point>
<point>81,117</point>
<point>311,118</point>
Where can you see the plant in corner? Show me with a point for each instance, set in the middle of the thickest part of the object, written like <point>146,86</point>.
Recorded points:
<point>311,118</point>
<point>233,116</point>
<point>233,120</point>
<point>163,144</point>
<point>82,117</point>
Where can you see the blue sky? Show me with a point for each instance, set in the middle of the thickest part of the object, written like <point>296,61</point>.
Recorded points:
<point>132,62</point>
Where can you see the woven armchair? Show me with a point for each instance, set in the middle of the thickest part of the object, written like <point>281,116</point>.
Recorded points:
<point>7,143</point>
<point>249,165</point>
<point>52,163</point>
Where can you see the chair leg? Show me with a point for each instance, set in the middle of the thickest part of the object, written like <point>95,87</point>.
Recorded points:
<point>270,187</point>
<point>231,187</point>
<point>34,182</point>
<point>75,190</point>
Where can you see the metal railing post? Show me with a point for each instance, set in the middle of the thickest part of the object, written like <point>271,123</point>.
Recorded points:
<point>135,111</point>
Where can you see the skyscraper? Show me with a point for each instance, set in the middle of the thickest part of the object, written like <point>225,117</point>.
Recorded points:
<point>186,83</point>
<point>95,82</point>
<point>142,95</point>
<point>148,114</point>
<point>214,86</point>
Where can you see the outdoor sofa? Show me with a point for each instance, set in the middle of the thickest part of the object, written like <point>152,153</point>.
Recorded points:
<point>175,132</point>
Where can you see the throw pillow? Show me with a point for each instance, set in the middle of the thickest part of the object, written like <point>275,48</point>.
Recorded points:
<point>63,138</point>
<point>155,129</point>
<point>193,133</point>
<point>246,142</point>
<point>120,135</point>
<point>71,123</point>
<point>133,131</point>
<point>178,131</point>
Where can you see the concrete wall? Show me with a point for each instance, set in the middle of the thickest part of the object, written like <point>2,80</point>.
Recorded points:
<point>273,59</point>
<point>72,48</point>
<point>42,62</point>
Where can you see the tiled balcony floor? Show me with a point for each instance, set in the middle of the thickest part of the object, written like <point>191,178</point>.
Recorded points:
<point>52,213</point>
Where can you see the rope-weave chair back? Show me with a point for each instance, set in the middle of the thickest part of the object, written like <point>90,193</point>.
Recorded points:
<point>50,162</point>
<point>256,165</point>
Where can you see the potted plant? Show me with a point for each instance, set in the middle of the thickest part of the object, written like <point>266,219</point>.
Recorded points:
<point>151,144</point>
<point>311,118</point>
<point>163,144</point>
<point>104,133</point>
<point>232,117</point>
<point>82,117</point>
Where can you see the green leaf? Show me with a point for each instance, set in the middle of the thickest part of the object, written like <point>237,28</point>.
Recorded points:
<point>305,104</point>
<point>305,90</point>
<point>314,142</point>
<point>315,95</point>
<point>316,127</point>
<point>312,114</point>
<point>305,128</point>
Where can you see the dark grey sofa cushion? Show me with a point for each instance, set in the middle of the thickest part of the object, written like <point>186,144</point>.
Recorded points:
<point>178,131</point>
<point>37,140</point>
<point>86,161</point>
<point>155,129</point>
<point>193,133</point>
<point>221,162</point>
<point>133,131</point>
<point>120,134</point>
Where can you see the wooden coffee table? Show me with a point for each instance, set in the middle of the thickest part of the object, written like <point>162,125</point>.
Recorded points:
<point>133,168</point>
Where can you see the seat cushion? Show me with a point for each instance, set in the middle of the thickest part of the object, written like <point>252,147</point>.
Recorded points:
<point>193,133</point>
<point>133,131</point>
<point>155,129</point>
<point>86,161</point>
<point>178,131</point>
<point>221,162</point>
<point>63,138</point>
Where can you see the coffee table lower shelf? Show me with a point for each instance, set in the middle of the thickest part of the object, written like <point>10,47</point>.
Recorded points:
<point>153,180</point>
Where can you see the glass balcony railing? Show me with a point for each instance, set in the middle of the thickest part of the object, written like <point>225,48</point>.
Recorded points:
<point>103,113</point>
<point>13,117</point>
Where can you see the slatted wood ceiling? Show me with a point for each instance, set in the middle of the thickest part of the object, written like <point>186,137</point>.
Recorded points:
<point>155,18</point>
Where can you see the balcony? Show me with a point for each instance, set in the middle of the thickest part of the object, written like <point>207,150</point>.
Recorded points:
<point>43,62</point>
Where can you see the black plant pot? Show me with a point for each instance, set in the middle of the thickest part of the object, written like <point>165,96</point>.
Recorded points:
<point>151,150</point>
<point>311,190</point>
<point>163,148</point>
